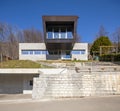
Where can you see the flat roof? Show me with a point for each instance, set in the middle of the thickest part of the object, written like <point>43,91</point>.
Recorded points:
<point>60,18</point>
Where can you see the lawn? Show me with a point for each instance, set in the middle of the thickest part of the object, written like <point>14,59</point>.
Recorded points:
<point>20,64</point>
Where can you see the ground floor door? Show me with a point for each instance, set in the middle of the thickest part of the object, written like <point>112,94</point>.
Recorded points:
<point>58,54</point>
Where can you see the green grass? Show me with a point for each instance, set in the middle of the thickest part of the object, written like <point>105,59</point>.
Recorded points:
<point>20,64</point>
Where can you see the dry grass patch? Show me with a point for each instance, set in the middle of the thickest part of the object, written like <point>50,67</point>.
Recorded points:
<point>19,64</point>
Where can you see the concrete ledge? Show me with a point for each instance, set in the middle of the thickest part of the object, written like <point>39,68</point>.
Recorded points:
<point>53,71</point>
<point>19,71</point>
<point>33,71</point>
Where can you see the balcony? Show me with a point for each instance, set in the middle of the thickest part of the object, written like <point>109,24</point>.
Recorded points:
<point>59,35</point>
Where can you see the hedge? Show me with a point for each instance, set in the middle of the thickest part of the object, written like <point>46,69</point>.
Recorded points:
<point>110,57</point>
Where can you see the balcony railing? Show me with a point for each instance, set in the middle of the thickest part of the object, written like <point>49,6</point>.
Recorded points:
<point>59,33</point>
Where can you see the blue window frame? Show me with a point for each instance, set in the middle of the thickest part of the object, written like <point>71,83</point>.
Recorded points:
<point>43,52</point>
<point>25,52</point>
<point>59,33</point>
<point>33,52</point>
<point>63,35</point>
<point>69,35</point>
<point>56,33</point>
<point>49,35</point>
<point>78,52</point>
<point>82,51</point>
<point>37,52</point>
<point>75,52</point>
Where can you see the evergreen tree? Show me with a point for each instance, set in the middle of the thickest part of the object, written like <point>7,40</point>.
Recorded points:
<point>101,41</point>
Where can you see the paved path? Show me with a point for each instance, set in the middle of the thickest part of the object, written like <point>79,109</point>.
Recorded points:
<point>5,97</point>
<point>82,104</point>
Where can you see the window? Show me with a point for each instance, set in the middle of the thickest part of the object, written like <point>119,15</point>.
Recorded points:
<point>82,51</point>
<point>63,33</point>
<point>50,52</point>
<point>37,52</point>
<point>78,52</point>
<point>56,32</point>
<point>25,52</point>
<point>47,52</point>
<point>53,52</point>
<point>31,83</point>
<point>69,33</point>
<point>75,52</point>
<point>43,52</point>
<point>56,52</point>
<point>49,33</point>
<point>31,52</point>
<point>68,56</point>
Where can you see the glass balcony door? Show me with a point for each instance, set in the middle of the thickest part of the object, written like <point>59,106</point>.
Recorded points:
<point>63,33</point>
<point>59,33</point>
<point>56,33</point>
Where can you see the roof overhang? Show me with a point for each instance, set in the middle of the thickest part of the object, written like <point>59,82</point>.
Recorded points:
<point>59,18</point>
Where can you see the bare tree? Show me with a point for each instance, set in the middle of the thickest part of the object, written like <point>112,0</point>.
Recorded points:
<point>20,36</point>
<point>10,36</point>
<point>78,38</point>
<point>3,31</point>
<point>13,46</point>
<point>2,37</point>
<point>32,36</point>
<point>8,39</point>
<point>116,38</point>
<point>102,32</point>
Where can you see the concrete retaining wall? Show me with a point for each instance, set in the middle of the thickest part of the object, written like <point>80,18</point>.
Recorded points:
<point>76,85</point>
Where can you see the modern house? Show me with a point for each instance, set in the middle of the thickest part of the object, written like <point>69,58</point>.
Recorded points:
<point>60,33</point>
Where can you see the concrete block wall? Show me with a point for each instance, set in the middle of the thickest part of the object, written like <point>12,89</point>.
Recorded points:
<point>80,46</point>
<point>32,46</point>
<point>76,85</point>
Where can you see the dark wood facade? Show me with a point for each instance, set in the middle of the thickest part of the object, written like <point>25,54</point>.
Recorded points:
<point>60,32</point>
<point>58,21</point>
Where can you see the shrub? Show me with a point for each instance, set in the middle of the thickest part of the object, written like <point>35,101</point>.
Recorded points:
<point>110,57</point>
